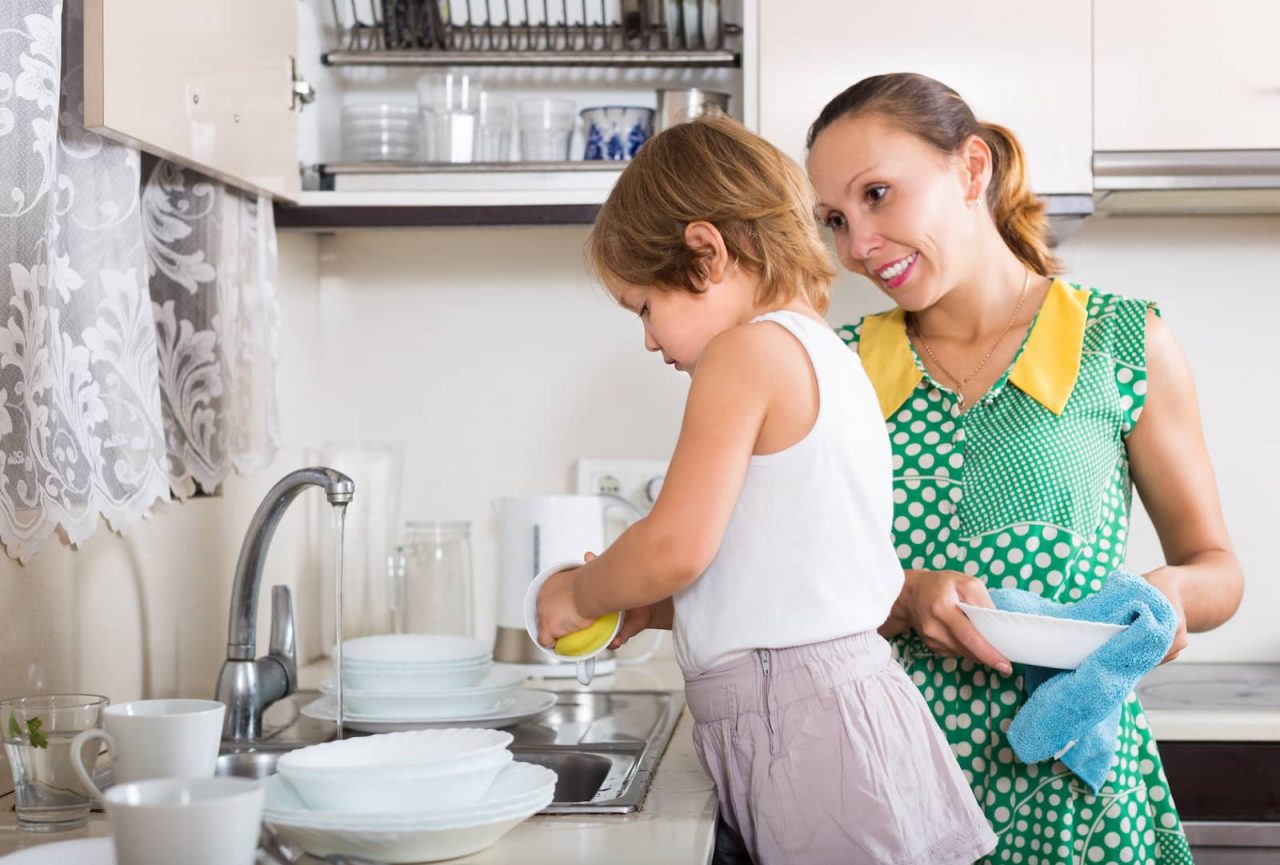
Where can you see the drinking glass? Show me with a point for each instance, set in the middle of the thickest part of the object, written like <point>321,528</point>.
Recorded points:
<point>431,576</point>
<point>38,731</point>
<point>450,105</point>
<point>546,125</point>
<point>496,114</point>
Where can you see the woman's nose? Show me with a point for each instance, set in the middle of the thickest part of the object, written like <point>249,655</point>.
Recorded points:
<point>863,241</point>
<point>649,342</point>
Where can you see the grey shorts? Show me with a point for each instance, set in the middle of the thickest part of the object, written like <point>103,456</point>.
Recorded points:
<point>827,753</point>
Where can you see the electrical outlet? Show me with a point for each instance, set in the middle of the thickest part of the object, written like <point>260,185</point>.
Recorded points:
<point>638,481</point>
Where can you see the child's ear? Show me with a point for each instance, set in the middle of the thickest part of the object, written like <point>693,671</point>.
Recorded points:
<point>705,237</point>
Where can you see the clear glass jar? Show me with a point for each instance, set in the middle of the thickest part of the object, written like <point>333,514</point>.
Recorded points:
<point>431,579</point>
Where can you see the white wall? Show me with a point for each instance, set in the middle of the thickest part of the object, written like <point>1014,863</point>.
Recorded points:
<point>490,354</point>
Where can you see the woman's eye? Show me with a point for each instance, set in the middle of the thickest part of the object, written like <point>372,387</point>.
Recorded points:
<point>644,310</point>
<point>876,194</point>
<point>834,221</point>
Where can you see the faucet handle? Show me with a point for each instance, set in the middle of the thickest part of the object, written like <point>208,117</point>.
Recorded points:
<point>283,646</point>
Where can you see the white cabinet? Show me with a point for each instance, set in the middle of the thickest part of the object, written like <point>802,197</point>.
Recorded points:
<point>1024,65</point>
<point>207,83</point>
<point>1186,75</point>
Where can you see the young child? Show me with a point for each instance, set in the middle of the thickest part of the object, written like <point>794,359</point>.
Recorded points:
<point>768,551</point>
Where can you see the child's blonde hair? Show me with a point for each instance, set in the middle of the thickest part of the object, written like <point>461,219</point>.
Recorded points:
<point>712,169</point>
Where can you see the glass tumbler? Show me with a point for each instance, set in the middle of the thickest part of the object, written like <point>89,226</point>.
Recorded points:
<point>496,116</point>
<point>546,125</point>
<point>37,731</point>
<point>450,105</point>
<point>431,579</point>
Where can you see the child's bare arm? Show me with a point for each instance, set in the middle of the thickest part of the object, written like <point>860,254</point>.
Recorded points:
<point>735,382</point>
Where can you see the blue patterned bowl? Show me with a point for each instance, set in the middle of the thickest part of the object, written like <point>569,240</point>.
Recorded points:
<point>616,132</point>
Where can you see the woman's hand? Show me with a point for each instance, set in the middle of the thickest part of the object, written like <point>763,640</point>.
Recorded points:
<point>1166,581</point>
<point>557,613</point>
<point>928,604</point>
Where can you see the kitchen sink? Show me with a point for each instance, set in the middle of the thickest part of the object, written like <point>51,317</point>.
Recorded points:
<point>603,746</point>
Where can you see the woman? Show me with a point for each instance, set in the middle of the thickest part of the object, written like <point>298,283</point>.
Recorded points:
<point>1021,409</point>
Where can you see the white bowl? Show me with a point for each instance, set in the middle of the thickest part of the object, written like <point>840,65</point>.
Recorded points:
<point>414,649</point>
<point>519,786</point>
<point>585,665</point>
<point>1041,641</point>
<point>397,771</point>
<point>521,791</point>
<point>428,680</point>
<point>494,691</point>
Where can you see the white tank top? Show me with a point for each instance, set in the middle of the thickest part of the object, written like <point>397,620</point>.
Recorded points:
<point>807,555</point>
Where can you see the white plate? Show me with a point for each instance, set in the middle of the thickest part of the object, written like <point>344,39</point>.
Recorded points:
<point>711,24</point>
<point>528,703</point>
<point>493,693</point>
<point>403,845</point>
<point>1042,641</point>
<point>84,851</point>
<point>675,36</point>
<point>691,27</point>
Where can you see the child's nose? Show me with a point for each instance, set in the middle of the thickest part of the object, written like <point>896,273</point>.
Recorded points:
<point>649,342</point>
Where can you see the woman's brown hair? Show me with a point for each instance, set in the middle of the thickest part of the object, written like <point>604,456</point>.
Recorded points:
<point>935,113</point>
<point>712,169</point>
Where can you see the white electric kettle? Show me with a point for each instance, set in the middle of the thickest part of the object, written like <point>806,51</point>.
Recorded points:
<point>535,532</point>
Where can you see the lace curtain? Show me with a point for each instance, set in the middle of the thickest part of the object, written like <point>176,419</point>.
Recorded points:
<point>138,324</point>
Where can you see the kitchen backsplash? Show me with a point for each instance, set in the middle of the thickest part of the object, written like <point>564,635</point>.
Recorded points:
<point>498,363</point>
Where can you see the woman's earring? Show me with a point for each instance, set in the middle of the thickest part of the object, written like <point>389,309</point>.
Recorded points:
<point>975,202</point>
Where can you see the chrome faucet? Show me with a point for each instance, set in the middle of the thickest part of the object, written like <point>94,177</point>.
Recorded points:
<point>247,685</point>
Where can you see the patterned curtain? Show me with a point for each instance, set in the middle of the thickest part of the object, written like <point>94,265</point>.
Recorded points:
<point>138,321</point>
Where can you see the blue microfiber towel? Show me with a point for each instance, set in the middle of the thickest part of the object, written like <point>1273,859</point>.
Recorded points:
<point>1074,715</point>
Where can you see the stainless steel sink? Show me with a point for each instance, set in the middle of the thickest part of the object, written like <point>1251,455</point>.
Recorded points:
<point>603,746</point>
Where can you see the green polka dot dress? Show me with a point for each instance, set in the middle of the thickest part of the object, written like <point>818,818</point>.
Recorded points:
<point>1028,489</point>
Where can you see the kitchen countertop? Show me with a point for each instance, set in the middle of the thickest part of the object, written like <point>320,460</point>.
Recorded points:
<point>676,823</point>
<point>1213,702</point>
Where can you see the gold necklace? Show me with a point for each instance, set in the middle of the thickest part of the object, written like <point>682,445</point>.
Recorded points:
<point>961,382</point>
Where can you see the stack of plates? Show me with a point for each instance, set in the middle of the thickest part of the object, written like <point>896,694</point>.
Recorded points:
<point>405,797</point>
<point>380,131</point>
<point>414,681</point>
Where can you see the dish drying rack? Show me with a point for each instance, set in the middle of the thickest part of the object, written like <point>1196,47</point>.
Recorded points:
<point>629,33</point>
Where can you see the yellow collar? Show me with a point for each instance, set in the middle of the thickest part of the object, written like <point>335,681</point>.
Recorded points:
<point>1046,370</point>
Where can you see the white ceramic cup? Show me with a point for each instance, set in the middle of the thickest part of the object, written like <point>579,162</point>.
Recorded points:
<point>585,665</point>
<point>195,821</point>
<point>155,739</point>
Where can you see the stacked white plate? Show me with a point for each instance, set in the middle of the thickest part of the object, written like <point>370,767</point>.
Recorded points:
<point>405,797</point>
<point>415,681</point>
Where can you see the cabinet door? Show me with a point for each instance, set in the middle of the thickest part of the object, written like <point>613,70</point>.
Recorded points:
<point>1186,75</point>
<point>1024,65</point>
<point>207,83</point>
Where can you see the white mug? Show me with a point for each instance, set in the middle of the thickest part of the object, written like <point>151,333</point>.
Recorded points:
<point>155,739</point>
<point>195,821</point>
<point>585,664</point>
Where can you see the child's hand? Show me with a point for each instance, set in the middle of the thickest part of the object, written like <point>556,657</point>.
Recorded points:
<point>557,613</point>
<point>633,622</point>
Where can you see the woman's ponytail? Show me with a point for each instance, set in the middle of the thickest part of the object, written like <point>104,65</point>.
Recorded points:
<point>1019,215</point>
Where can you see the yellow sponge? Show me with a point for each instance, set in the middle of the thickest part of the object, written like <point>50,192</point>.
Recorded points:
<point>589,639</point>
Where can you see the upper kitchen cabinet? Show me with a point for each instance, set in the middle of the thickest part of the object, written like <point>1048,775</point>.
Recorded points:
<point>1022,65</point>
<point>206,83</point>
<point>1186,75</point>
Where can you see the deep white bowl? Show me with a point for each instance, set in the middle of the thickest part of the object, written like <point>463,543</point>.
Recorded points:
<point>518,787</point>
<point>414,649</point>
<point>1042,641</point>
<point>488,695</point>
<point>397,771</point>
<point>427,680</point>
